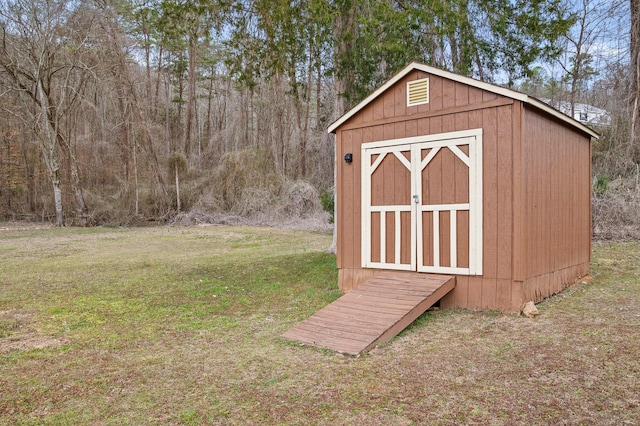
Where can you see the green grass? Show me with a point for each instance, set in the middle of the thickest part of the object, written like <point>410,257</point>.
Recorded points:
<point>182,326</point>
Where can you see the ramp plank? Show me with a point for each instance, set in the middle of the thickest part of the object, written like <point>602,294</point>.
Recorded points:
<point>372,313</point>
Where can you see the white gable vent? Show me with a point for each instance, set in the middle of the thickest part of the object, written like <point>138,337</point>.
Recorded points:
<point>418,92</point>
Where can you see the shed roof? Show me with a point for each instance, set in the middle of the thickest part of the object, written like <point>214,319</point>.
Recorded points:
<point>465,80</point>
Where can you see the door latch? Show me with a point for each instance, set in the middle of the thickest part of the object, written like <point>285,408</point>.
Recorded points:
<point>415,199</point>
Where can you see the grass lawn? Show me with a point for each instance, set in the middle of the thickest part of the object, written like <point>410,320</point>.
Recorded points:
<point>182,326</point>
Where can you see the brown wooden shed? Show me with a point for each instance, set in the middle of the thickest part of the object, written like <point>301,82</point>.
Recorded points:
<point>439,173</point>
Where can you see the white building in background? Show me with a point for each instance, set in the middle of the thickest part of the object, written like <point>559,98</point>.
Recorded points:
<point>584,113</point>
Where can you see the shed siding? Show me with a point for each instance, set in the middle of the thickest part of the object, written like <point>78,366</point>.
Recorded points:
<point>557,196</point>
<point>453,107</point>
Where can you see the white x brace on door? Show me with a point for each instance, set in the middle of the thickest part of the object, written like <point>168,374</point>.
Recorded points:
<point>422,203</point>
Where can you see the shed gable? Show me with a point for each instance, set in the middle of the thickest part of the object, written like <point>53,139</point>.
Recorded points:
<point>390,100</point>
<point>446,98</point>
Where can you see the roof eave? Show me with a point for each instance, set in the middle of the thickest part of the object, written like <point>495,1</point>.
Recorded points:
<point>563,117</point>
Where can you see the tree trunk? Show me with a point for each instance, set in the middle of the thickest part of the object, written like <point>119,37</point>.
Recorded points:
<point>57,197</point>
<point>177,186</point>
<point>207,133</point>
<point>49,150</point>
<point>135,178</point>
<point>635,81</point>
<point>191,98</point>
<point>343,29</point>
<point>81,207</point>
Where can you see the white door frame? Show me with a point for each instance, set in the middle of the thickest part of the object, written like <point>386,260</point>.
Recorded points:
<point>472,138</point>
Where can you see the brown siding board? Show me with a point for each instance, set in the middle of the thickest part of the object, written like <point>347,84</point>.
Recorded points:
<point>585,200</point>
<point>456,298</point>
<point>377,134</point>
<point>475,95</point>
<point>475,119</point>
<point>431,180</point>
<point>462,94</point>
<point>400,130</point>
<point>490,196</point>
<point>375,237</point>
<point>489,296</point>
<point>405,229</point>
<point>388,172</point>
<point>378,109</point>
<point>367,114</point>
<point>584,237</point>
<point>342,279</point>
<point>552,219</point>
<point>505,200</point>
<point>411,128</point>
<point>389,103</point>
<point>448,123</point>
<point>343,139</point>
<point>463,239</point>
<point>517,296</point>
<point>390,236</point>
<point>487,96</point>
<point>338,200</point>
<point>435,125</point>
<point>427,238</point>
<point>388,132</point>
<point>573,245</point>
<point>400,99</point>
<point>367,135</point>
<point>503,295</point>
<point>448,93</point>
<point>461,121</point>
<point>460,182</point>
<point>474,292</point>
<point>423,126</point>
<point>531,227</point>
<point>448,176</point>
<point>349,222</point>
<point>544,175</point>
<point>435,93</point>
<point>356,194</point>
<point>539,240</point>
<point>563,221</point>
<point>445,242</point>
<point>462,291</point>
<point>518,249</point>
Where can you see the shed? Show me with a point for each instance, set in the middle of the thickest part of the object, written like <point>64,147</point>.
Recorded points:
<point>439,173</point>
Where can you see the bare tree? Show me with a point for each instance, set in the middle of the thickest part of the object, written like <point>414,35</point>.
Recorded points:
<point>115,45</point>
<point>40,59</point>
<point>634,147</point>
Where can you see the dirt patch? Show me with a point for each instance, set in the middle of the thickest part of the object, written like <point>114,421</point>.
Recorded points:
<point>315,222</point>
<point>17,333</point>
<point>23,226</point>
<point>29,343</point>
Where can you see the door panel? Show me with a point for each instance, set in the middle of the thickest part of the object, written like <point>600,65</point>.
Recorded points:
<point>390,230</point>
<point>422,203</point>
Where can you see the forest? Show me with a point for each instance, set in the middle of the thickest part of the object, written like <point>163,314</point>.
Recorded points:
<point>122,112</point>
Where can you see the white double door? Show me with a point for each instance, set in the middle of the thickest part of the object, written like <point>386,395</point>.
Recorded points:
<point>422,203</point>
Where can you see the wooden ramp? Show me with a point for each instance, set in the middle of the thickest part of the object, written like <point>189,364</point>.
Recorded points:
<point>372,313</point>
